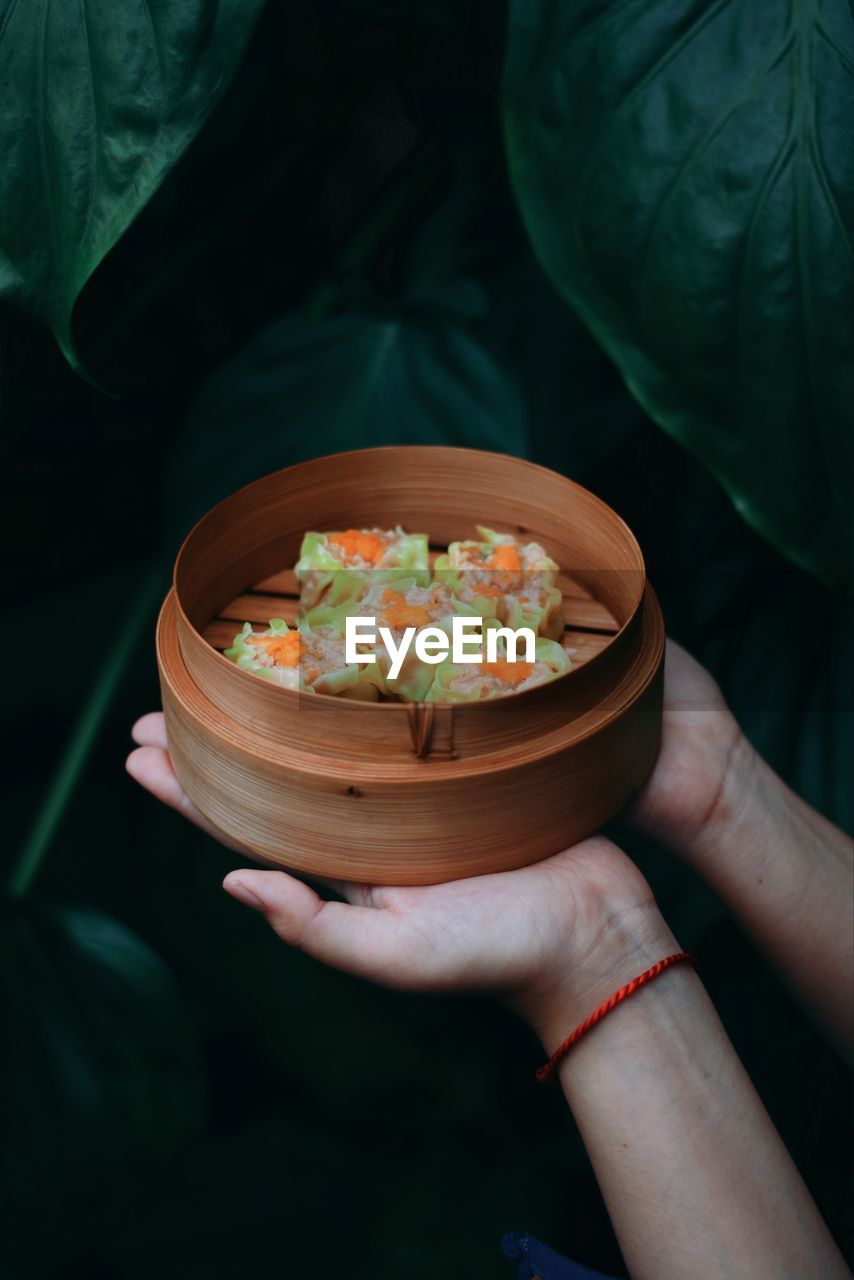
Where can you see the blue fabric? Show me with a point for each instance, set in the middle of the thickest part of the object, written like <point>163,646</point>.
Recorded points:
<point>536,1259</point>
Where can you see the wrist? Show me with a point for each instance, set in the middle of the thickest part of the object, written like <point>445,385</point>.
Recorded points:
<point>628,942</point>
<point>699,783</point>
<point>719,835</point>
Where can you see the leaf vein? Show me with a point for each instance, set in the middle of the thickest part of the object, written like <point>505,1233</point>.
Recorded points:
<point>697,25</point>
<point>155,42</point>
<point>769,183</point>
<point>803,125</point>
<point>605,18</point>
<point>830,198</point>
<point>6,16</point>
<point>94,149</point>
<point>700,149</point>
<point>844,56</point>
<point>41,115</point>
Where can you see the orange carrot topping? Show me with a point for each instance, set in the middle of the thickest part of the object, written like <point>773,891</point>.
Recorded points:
<point>397,613</point>
<point>354,543</point>
<point>284,650</point>
<point>505,556</point>
<point>511,673</point>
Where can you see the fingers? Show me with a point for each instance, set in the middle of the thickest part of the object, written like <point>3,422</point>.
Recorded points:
<point>150,730</point>
<point>687,684</point>
<point>151,767</point>
<point>358,939</point>
<point>360,895</point>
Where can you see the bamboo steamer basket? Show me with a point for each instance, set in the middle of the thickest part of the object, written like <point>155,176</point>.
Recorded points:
<point>409,794</point>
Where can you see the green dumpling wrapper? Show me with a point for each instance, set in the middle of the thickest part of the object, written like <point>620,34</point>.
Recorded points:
<point>334,567</point>
<point>398,605</point>
<point>477,682</point>
<point>517,578</point>
<point>300,659</point>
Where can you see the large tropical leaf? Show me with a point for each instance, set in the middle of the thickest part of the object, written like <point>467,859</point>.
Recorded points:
<point>98,102</point>
<point>686,177</point>
<point>777,640</point>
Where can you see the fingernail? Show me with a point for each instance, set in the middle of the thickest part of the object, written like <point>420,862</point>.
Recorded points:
<point>236,887</point>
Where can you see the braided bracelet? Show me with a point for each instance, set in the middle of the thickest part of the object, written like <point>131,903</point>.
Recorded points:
<point>546,1072</point>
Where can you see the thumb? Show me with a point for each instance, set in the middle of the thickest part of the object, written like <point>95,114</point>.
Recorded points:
<point>369,942</point>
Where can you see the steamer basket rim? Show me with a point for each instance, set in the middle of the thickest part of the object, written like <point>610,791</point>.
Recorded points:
<point>290,695</point>
<point>438,771</point>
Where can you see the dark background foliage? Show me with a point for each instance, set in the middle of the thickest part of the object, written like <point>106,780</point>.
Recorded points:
<point>336,260</point>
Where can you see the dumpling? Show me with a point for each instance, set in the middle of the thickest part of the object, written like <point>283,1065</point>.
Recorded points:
<point>518,577</point>
<point>399,605</point>
<point>475,682</point>
<point>334,567</point>
<point>304,659</point>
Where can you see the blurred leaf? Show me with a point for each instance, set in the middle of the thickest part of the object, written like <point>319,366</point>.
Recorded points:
<point>444,14</point>
<point>62,689</point>
<point>100,1073</point>
<point>305,386</point>
<point>778,641</point>
<point>98,104</point>
<point>795,699</point>
<point>84,735</point>
<point>684,175</point>
<point>578,411</point>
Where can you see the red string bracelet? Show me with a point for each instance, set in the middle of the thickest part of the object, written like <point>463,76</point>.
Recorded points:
<point>546,1072</point>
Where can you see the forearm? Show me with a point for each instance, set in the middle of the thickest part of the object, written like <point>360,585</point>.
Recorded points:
<point>696,1179</point>
<point>786,873</point>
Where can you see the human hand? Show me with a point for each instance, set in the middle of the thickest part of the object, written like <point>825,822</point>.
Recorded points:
<point>551,939</point>
<point>689,791</point>
<point>783,869</point>
<point>545,934</point>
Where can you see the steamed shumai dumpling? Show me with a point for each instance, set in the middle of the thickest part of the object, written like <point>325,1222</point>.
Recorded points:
<point>397,605</point>
<point>474,682</point>
<point>518,577</point>
<point>334,567</point>
<point>303,659</point>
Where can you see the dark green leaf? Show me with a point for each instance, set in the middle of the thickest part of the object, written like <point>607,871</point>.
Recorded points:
<point>777,640</point>
<point>686,178</point>
<point>98,103</point>
<point>308,386</point>
<point>100,1072</point>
